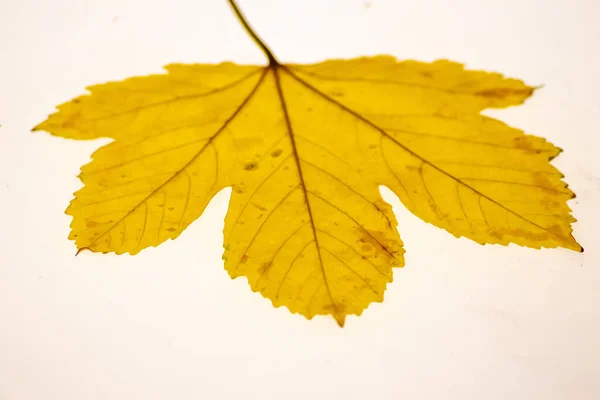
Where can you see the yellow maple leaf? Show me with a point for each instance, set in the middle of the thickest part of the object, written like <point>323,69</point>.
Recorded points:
<point>305,148</point>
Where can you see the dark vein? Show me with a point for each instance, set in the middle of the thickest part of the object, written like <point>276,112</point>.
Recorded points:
<point>438,211</point>
<point>474,142</point>
<point>179,98</point>
<point>389,167</point>
<point>323,148</point>
<point>350,188</point>
<point>264,271</point>
<point>108,200</point>
<point>216,165</point>
<point>123,235</point>
<point>353,220</point>
<point>265,221</point>
<point>290,268</point>
<point>312,297</point>
<point>210,191</point>
<point>354,250</point>
<point>462,208</point>
<point>145,156</point>
<point>304,284</point>
<point>111,212</point>
<point>187,199</point>
<point>109,240</point>
<point>162,217</point>
<point>482,213</point>
<point>351,270</point>
<point>129,91</point>
<point>161,133</point>
<point>514,183</point>
<point>105,189</point>
<point>537,202</point>
<point>301,176</point>
<point>383,81</point>
<point>143,227</point>
<point>468,164</point>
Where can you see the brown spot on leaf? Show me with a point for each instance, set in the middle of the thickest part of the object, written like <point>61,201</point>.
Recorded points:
<point>501,93</point>
<point>92,224</point>
<point>523,142</point>
<point>238,189</point>
<point>381,205</point>
<point>379,242</point>
<point>251,166</point>
<point>261,208</point>
<point>434,208</point>
<point>276,153</point>
<point>265,267</point>
<point>549,203</point>
<point>171,229</point>
<point>244,259</point>
<point>534,237</point>
<point>542,180</point>
<point>555,228</point>
<point>495,233</point>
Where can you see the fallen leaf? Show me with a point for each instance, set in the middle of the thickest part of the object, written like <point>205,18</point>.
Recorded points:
<point>305,149</point>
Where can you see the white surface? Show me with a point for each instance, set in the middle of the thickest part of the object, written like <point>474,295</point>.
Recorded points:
<point>461,321</point>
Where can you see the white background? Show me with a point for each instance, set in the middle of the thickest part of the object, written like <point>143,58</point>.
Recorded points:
<point>461,321</point>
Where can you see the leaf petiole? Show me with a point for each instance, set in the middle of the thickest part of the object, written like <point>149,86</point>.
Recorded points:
<point>265,49</point>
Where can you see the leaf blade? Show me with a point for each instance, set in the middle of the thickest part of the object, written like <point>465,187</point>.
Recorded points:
<point>305,149</point>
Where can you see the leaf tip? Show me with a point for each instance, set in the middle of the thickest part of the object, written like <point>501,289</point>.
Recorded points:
<point>340,319</point>
<point>556,154</point>
<point>575,246</point>
<point>82,249</point>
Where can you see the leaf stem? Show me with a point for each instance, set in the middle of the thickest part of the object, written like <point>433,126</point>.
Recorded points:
<point>265,49</point>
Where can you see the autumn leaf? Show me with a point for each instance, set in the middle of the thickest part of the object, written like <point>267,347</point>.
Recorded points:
<point>305,149</point>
